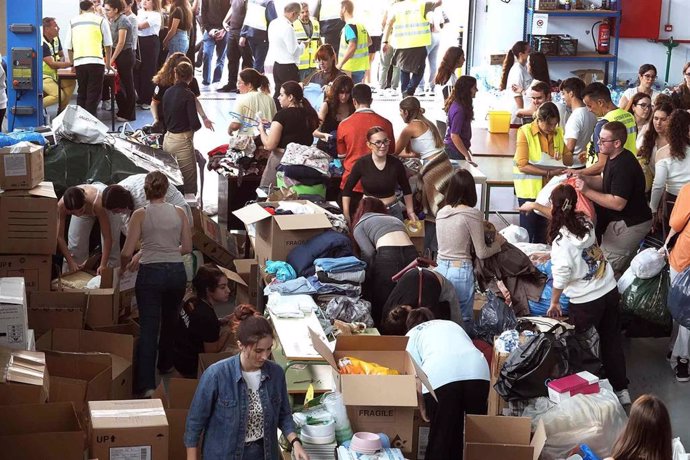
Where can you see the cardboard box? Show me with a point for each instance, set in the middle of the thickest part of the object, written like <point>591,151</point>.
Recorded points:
<point>377,403</point>
<point>176,402</point>
<point>490,437</point>
<point>119,346</point>
<point>211,239</point>
<point>128,429</point>
<point>24,379</point>
<point>276,236</point>
<point>420,437</point>
<point>496,404</point>
<point>14,326</point>
<point>79,377</point>
<point>248,269</point>
<point>102,306</point>
<point>21,166</point>
<point>28,220</point>
<point>41,432</point>
<point>128,297</point>
<point>53,309</point>
<point>206,359</point>
<point>589,75</point>
<point>34,269</point>
<point>416,234</point>
<point>584,383</point>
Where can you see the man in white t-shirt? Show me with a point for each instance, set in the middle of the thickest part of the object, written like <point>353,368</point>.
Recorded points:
<point>539,93</point>
<point>580,124</point>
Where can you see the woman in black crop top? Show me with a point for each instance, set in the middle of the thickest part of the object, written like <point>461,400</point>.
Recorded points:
<point>380,175</point>
<point>337,107</point>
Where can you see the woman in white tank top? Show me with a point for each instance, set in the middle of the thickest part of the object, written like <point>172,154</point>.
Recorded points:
<point>165,236</point>
<point>420,137</point>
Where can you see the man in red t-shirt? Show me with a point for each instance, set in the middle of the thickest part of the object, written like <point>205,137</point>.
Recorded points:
<point>352,136</point>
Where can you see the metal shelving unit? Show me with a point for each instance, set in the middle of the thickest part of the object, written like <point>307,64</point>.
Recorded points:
<point>609,60</point>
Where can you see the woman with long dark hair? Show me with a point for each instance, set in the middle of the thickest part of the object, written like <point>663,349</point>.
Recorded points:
<point>580,270</point>
<point>149,25</point>
<point>336,107</point>
<point>681,96</point>
<point>384,245</point>
<point>453,59</point>
<point>538,67</point>
<point>460,112</point>
<point>123,58</point>
<point>648,433</point>
<point>654,138</point>
<point>180,23</point>
<point>515,78</point>
<point>294,123</point>
<point>255,97</point>
<point>641,109</point>
<point>645,84</point>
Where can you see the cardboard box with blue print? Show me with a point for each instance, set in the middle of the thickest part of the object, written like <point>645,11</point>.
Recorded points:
<point>21,166</point>
<point>377,403</point>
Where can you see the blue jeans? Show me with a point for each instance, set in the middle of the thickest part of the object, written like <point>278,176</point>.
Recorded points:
<point>179,42</point>
<point>535,224</point>
<point>409,82</point>
<point>160,288</point>
<point>259,52</point>
<point>396,210</point>
<point>357,76</point>
<point>461,274</point>
<point>209,44</point>
<point>254,451</point>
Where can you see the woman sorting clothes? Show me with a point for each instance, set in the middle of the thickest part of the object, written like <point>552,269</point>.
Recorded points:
<point>254,98</point>
<point>457,371</point>
<point>198,329</point>
<point>84,203</point>
<point>583,274</point>
<point>337,107</point>
<point>420,137</point>
<point>165,236</point>
<point>295,122</point>
<point>384,245</point>
<point>460,234</point>
<point>242,401</point>
<point>540,154</point>
<point>381,175</point>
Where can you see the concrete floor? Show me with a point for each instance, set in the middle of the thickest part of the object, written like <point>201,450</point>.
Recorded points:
<point>648,370</point>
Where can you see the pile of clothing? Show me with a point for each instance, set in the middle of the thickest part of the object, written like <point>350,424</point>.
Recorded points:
<point>304,170</point>
<point>228,161</point>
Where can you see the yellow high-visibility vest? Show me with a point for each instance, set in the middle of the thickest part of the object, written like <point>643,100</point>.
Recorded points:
<point>529,185</point>
<point>87,38</point>
<point>308,58</point>
<point>360,60</point>
<point>256,15</point>
<point>49,72</point>
<point>411,29</point>
<point>628,120</point>
<point>330,9</point>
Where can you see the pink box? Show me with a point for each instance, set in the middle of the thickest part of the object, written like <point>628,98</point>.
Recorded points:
<point>566,387</point>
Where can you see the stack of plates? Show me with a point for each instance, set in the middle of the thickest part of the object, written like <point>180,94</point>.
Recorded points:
<point>320,451</point>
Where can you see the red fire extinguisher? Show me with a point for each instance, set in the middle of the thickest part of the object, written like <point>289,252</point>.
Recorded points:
<point>603,41</point>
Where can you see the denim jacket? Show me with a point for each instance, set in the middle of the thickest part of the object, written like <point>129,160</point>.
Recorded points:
<point>219,410</point>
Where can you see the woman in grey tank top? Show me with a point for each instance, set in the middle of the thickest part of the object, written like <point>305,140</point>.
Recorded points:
<point>165,236</point>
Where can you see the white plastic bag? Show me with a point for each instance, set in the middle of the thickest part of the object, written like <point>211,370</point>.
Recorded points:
<point>545,193</point>
<point>78,125</point>
<point>678,450</point>
<point>514,234</point>
<point>648,263</point>
<point>626,280</point>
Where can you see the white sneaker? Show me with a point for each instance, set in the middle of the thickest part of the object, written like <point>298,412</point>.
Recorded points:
<point>624,397</point>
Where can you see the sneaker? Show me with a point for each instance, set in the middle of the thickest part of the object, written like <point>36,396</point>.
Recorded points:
<point>227,89</point>
<point>205,83</point>
<point>624,397</point>
<point>682,374</point>
<point>145,107</point>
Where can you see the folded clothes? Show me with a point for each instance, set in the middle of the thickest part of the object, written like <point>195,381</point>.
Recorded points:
<point>297,286</point>
<point>303,174</point>
<point>340,264</point>
<point>282,270</point>
<point>290,306</point>
<point>324,278</point>
<point>349,290</point>
<point>356,276</point>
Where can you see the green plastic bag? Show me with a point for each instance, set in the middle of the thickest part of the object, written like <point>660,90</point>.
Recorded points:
<point>647,299</point>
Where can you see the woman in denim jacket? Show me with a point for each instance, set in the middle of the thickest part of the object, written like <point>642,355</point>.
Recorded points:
<point>242,401</point>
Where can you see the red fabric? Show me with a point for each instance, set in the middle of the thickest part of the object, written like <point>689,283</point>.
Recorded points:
<point>220,150</point>
<point>352,140</point>
<point>584,204</point>
<point>485,348</point>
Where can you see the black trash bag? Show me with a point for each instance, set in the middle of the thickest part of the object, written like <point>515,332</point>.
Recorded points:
<point>494,318</point>
<point>679,298</point>
<point>530,366</point>
<point>584,352</point>
<point>646,299</point>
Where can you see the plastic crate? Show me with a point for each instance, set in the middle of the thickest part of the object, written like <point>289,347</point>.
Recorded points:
<point>545,4</point>
<point>567,45</point>
<point>547,44</point>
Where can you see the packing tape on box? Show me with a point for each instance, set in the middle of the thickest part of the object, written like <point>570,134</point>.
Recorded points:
<point>134,412</point>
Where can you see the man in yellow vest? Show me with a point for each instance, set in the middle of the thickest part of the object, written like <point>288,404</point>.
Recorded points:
<point>353,54</point>
<point>328,13</point>
<point>308,31</point>
<point>87,37</point>
<point>409,32</point>
<point>597,98</point>
<point>54,59</point>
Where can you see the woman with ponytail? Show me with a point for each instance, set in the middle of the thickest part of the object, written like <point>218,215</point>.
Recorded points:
<point>420,137</point>
<point>456,369</point>
<point>445,76</point>
<point>294,122</point>
<point>255,97</point>
<point>516,79</point>
<point>581,272</point>
<point>242,401</point>
<point>460,110</point>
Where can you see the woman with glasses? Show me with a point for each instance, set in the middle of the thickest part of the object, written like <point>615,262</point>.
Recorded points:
<point>645,84</point>
<point>681,96</point>
<point>380,175</point>
<point>641,109</point>
<point>337,107</point>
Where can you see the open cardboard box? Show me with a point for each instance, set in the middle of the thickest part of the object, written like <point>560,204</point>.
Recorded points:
<point>103,304</point>
<point>41,432</point>
<point>176,402</point>
<point>34,269</point>
<point>21,167</point>
<point>25,377</point>
<point>377,403</point>
<point>497,437</point>
<point>496,404</point>
<point>276,236</point>
<point>211,239</point>
<point>55,309</point>
<point>28,220</point>
<point>119,346</point>
<point>248,269</point>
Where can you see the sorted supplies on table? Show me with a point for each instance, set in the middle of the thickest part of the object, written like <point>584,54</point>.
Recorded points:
<point>282,270</point>
<point>290,306</point>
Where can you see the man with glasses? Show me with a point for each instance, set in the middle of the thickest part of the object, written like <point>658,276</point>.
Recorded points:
<point>623,215</point>
<point>597,99</point>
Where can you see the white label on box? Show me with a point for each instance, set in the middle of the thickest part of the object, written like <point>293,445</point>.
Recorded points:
<point>15,165</point>
<point>130,453</point>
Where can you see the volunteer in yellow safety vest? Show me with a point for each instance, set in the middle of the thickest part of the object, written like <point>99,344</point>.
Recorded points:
<point>328,14</point>
<point>409,33</point>
<point>307,30</point>
<point>87,37</point>
<point>540,154</point>
<point>353,54</point>
<point>597,98</point>
<point>260,13</point>
<point>54,59</point>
